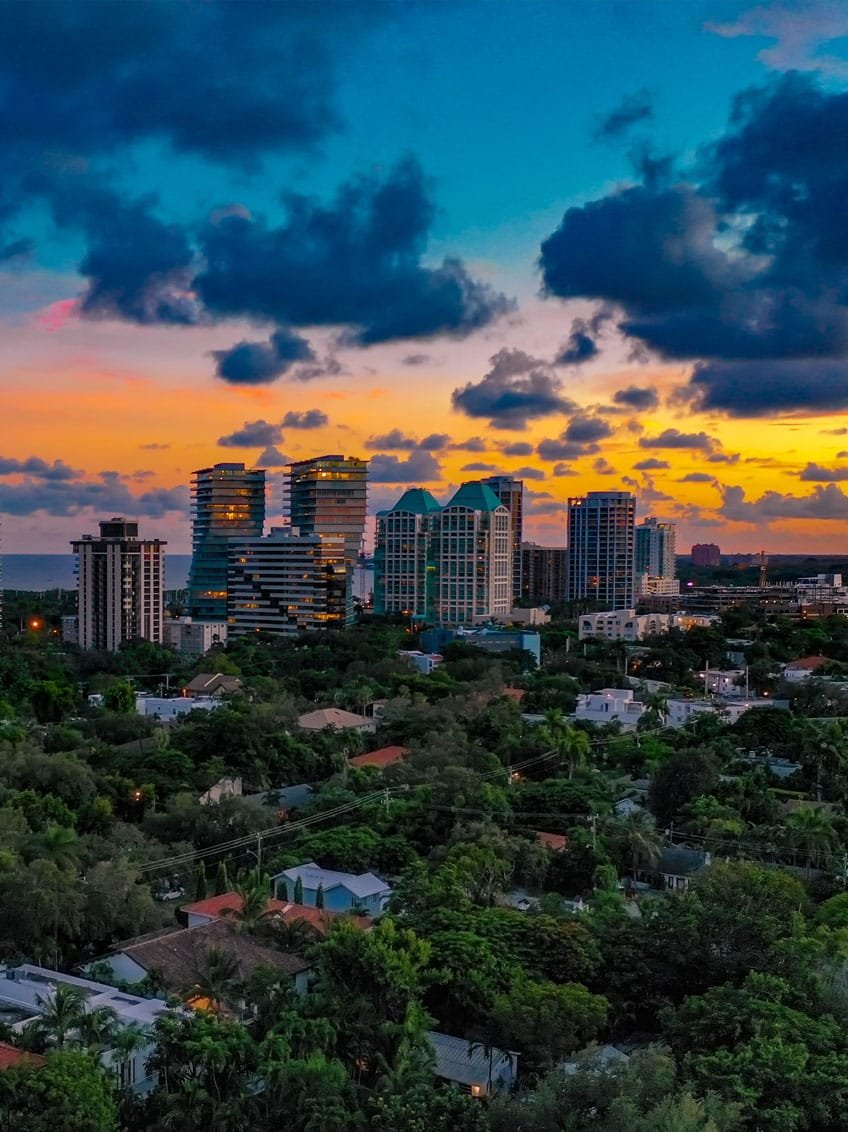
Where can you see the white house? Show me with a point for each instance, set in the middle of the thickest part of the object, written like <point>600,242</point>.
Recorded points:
<point>168,709</point>
<point>609,705</point>
<point>802,669</point>
<point>26,991</point>
<point>343,892</point>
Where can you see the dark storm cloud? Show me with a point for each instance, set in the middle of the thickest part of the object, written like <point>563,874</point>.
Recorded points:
<point>802,385</point>
<point>815,473</point>
<point>85,78</point>
<point>651,465</point>
<point>271,457</point>
<point>696,477</point>
<point>824,503</point>
<point>258,363</point>
<point>83,85</point>
<point>109,495</point>
<point>580,347</point>
<point>309,418</point>
<point>633,108</point>
<point>744,268</point>
<point>473,444</point>
<point>673,438</point>
<point>517,388</point>
<point>355,262</point>
<point>519,448</point>
<point>418,467</point>
<point>395,440</point>
<point>477,466</point>
<point>38,468</point>
<point>580,438</point>
<point>252,434</point>
<point>635,398</point>
<point>416,359</point>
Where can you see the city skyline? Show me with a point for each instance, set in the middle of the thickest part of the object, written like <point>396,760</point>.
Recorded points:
<point>591,247</point>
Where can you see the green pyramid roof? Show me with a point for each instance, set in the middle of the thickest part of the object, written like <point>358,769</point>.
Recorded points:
<point>418,501</point>
<point>477,496</point>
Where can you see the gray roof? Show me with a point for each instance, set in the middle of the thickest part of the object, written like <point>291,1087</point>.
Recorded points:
<point>678,860</point>
<point>469,1063</point>
<point>311,875</point>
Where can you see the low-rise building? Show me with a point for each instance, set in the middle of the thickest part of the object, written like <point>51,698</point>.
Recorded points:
<point>381,758</point>
<point>532,616</point>
<point>478,1069</point>
<point>423,662</point>
<point>802,669</point>
<point>490,638</point>
<point>723,682</point>
<point>335,717</point>
<point>27,991</point>
<point>342,892</point>
<point>179,958</point>
<point>281,911</point>
<point>206,684</point>
<point>191,637</point>
<point>628,625</point>
<point>609,705</point>
<point>168,708</point>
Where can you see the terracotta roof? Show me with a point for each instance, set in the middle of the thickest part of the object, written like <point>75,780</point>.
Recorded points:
<point>13,1058</point>
<point>552,840</point>
<point>319,918</point>
<point>808,662</point>
<point>385,756</point>
<point>516,694</point>
<point>331,717</point>
<point>180,957</point>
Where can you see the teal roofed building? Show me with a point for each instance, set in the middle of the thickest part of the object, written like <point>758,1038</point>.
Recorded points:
<point>404,556</point>
<point>474,557</point>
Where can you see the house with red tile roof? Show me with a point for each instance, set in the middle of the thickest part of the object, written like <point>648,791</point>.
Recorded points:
<point>13,1058</point>
<point>556,841</point>
<point>803,668</point>
<point>380,759</point>
<point>227,903</point>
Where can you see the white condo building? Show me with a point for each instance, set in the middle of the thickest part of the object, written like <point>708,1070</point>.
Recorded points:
<point>601,548</point>
<point>474,556</point>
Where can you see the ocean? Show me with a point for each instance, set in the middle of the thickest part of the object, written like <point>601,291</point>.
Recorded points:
<point>39,572</point>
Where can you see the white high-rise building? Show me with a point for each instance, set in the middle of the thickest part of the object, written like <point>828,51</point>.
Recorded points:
<point>656,562</point>
<point>474,557</point>
<point>404,556</point>
<point>601,548</point>
<point>120,586</point>
<point>510,492</point>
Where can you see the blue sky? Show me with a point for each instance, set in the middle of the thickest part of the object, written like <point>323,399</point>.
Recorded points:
<point>538,232</point>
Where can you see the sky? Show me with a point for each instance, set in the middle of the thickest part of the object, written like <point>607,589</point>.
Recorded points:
<point>597,244</point>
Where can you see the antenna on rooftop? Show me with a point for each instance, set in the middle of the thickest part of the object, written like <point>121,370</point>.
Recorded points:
<point>763,562</point>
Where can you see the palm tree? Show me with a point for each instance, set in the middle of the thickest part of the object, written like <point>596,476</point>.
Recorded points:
<point>811,831</point>
<point>254,892</point>
<point>570,744</point>
<point>656,711</point>
<point>62,1014</point>
<point>294,935</point>
<point>97,1028</point>
<point>218,978</point>
<point>56,843</point>
<point>638,838</point>
<point>126,1043</point>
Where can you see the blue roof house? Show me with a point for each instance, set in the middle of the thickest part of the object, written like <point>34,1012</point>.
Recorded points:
<point>343,892</point>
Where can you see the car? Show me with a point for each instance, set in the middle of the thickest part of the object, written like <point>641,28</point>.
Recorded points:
<point>171,893</point>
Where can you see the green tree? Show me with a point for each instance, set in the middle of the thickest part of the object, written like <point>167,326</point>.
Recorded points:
<point>120,698</point>
<point>544,1022</point>
<point>217,978</point>
<point>298,890</point>
<point>811,832</point>
<point>635,839</point>
<point>200,882</point>
<point>70,1093</point>
<point>319,896</point>
<point>558,734</point>
<point>222,880</point>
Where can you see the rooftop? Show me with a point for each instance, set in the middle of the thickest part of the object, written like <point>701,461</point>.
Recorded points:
<point>13,1058</point>
<point>311,875</point>
<point>213,682</point>
<point>179,957</point>
<point>809,663</point>
<point>470,1063</point>
<point>385,756</point>
<point>216,907</point>
<point>331,717</point>
<point>417,501</point>
<point>476,496</point>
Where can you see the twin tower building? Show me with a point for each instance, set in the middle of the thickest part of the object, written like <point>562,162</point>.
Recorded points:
<point>458,564</point>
